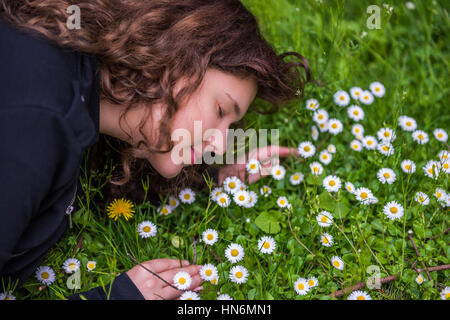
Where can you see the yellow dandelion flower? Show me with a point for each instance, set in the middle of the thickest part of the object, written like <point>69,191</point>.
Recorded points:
<point>120,207</point>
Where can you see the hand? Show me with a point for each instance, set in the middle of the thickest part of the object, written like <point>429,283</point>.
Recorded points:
<point>153,288</point>
<point>267,156</point>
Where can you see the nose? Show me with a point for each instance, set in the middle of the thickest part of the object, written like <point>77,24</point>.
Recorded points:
<point>217,142</point>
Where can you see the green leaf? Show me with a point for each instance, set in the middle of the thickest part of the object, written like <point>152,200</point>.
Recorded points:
<point>341,209</point>
<point>327,202</point>
<point>268,222</point>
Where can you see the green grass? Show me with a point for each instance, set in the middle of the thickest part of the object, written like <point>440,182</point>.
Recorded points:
<point>409,55</point>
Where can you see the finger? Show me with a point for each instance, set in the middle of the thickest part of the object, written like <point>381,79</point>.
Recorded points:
<point>172,293</point>
<point>169,274</point>
<point>287,151</point>
<point>160,265</point>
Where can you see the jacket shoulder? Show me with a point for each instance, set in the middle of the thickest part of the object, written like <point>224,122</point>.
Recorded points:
<point>34,71</point>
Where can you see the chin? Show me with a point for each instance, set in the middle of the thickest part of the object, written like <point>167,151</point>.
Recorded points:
<point>170,173</point>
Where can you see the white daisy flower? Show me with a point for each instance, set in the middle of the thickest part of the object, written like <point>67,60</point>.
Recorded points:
<point>366,97</point>
<point>422,198</point>
<point>241,198</point>
<point>296,178</point>
<point>223,200</point>
<point>90,265</point>
<point>312,104</point>
<point>267,244</point>
<point>408,166</point>
<point>71,265</point>
<point>313,282</point>
<point>215,193</point>
<point>355,92</point>
<point>189,295</point>
<point>306,149</point>
<point>444,155</point>
<point>358,130</point>
<point>335,126</point>
<point>323,127</point>
<point>419,279</point>
<point>215,281</point>
<point>421,137</point>
<point>393,210</point>
<point>356,145</point>
<point>234,252</point>
<point>364,195</point>
<point>331,183</point>
<point>224,296</point>
<point>370,143</point>
<point>341,98</point>
<point>445,293</point>
<point>265,191</point>
<point>147,229</point>
<point>440,135</point>
<point>337,262</point>
<point>320,116</point>
<point>252,199</point>
<point>165,210</point>
<point>326,240</point>
<point>187,195</point>
<point>238,274</point>
<point>440,194</point>
<point>324,219</point>
<point>210,236</point>
<point>432,169</point>
<point>446,166</point>
<point>316,168</point>
<point>355,113</point>
<point>386,135</point>
<point>314,133</point>
<point>7,296</point>
<point>386,175</point>
<point>173,202</point>
<point>208,272</point>
<point>45,274</point>
<point>232,184</point>
<point>325,157</point>
<point>407,123</point>
<point>359,295</point>
<point>410,5</point>
<point>349,187</point>
<point>377,89</point>
<point>243,187</point>
<point>253,166</point>
<point>282,202</point>
<point>331,148</point>
<point>385,148</point>
<point>301,286</point>
<point>182,280</point>
<point>278,172</point>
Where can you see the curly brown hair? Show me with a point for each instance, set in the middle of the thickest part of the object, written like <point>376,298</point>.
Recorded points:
<point>143,47</point>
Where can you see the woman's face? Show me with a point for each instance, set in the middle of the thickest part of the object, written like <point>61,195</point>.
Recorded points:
<point>219,101</point>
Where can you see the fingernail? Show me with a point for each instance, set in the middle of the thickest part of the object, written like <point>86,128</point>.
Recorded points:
<point>198,289</point>
<point>185,263</point>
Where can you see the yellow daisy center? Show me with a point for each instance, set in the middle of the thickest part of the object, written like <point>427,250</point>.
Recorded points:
<point>357,130</point>
<point>91,266</point>
<point>420,136</point>
<point>421,199</point>
<point>320,116</point>
<point>165,211</point>
<point>364,195</point>
<point>232,185</point>
<point>324,219</point>
<point>266,245</point>
<point>210,237</point>
<point>265,189</point>
<point>369,142</point>
<point>146,229</point>
<point>336,263</point>
<point>241,198</point>
<point>447,296</point>
<point>361,298</point>
<point>438,194</point>
<point>394,210</point>
<point>307,148</point>
<point>355,146</point>
<point>223,200</point>
<point>325,157</point>
<point>182,280</point>
<point>312,105</point>
<point>341,97</point>
<point>385,148</point>
<point>315,169</point>
<point>45,275</point>
<point>407,167</point>
<point>278,172</point>
<point>366,97</point>
<point>332,183</point>
<point>334,125</point>
<point>234,252</point>
<point>187,196</point>
<point>239,274</point>
<point>355,112</point>
<point>386,175</point>
<point>252,166</point>
<point>325,240</point>
<point>377,89</point>
<point>445,165</point>
<point>440,135</point>
<point>208,272</point>
<point>296,177</point>
<point>301,286</point>
<point>72,265</point>
<point>282,202</point>
<point>311,282</point>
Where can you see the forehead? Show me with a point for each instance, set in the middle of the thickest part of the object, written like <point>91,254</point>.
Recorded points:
<point>223,84</point>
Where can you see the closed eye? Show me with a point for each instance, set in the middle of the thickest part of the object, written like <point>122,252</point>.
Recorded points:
<point>220,112</point>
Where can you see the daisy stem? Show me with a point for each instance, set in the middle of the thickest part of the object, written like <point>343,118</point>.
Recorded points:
<point>348,240</point>
<point>404,225</point>
<point>295,236</point>
<point>373,254</point>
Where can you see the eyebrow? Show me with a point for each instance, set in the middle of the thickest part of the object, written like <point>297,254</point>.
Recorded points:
<point>237,109</point>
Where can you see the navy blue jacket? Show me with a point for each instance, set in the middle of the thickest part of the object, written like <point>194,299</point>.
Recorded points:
<point>49,117</point>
